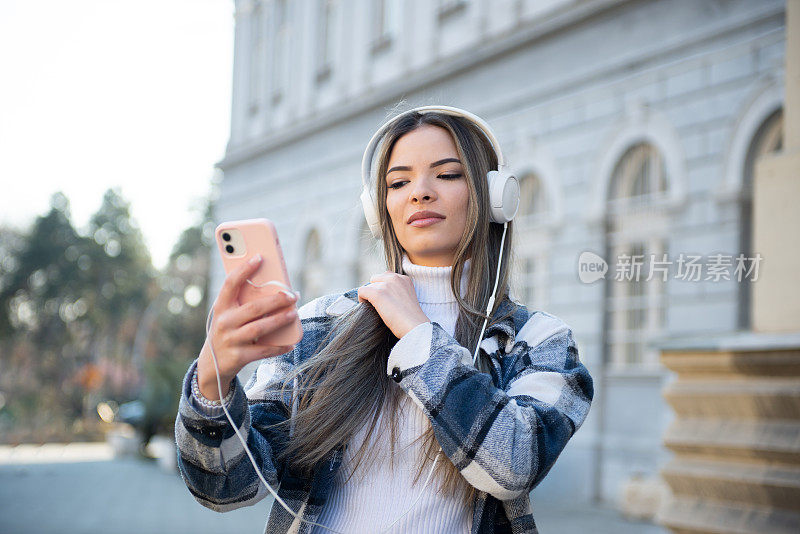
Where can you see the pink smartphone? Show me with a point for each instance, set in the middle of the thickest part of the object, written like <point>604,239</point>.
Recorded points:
<point>238,241</point>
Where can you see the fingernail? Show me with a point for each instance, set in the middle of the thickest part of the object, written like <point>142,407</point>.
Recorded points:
<point>255,259</point>
<point>298,294</point>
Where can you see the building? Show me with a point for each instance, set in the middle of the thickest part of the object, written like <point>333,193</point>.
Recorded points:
<point>633,126</point>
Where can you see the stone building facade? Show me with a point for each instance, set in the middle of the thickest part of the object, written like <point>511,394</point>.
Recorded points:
<point>633,126</point>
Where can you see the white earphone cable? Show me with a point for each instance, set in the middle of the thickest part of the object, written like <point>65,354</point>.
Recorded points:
<point>271,282</point>
<point>494,292</point>
<point>413,504</point>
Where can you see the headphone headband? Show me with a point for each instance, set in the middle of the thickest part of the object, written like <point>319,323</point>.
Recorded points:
<point>369,153</point>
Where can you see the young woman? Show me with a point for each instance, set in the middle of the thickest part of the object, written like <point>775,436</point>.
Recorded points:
<point>381,391</point>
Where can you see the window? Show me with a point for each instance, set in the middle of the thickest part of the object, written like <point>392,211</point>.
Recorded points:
<point>280,51</point>
<point>639,178</point>
<point>768,139</point>
<point>636,228</point>
<point>386,23</point>
<point>532,282</point>
<point>533,243</point>
<point>635,310</point>
<point>257,49</point>
<point>312,281</point>
<point>532,204</point>
<point>371,259</point>
<point>327,39</point>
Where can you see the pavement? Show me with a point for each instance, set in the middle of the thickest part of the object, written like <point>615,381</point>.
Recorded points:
<point>84,489</point>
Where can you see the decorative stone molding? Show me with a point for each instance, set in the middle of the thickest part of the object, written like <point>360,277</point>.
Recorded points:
<point>767,97</point>
<point>736,435</point>
<point>641,124</point>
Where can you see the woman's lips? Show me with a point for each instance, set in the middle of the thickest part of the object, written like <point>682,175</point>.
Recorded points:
<point>419,223</point>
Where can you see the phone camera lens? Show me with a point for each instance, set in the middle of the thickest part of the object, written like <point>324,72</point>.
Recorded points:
<point>226,236</point>
<point>229,248</point>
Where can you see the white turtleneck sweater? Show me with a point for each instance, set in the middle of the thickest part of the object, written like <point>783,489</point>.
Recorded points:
<point>376,496</point>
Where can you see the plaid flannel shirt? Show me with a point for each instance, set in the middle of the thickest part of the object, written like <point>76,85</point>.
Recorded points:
<point>502,430</point>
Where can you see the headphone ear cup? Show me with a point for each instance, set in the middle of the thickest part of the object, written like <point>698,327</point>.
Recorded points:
<point>371,213</point>
<point>503,196</point>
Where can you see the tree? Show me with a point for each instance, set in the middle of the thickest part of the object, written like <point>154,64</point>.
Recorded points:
<point>121,262</point>
<point>12,242</point>
<point>69,311</point>
<point>123,281</point>
<point>85,317</point>
<point>41,296</point>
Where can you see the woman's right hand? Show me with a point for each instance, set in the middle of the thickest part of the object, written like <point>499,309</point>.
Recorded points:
<point>235,331</point>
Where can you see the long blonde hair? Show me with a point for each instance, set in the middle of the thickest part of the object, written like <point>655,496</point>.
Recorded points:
<point>343,386</point>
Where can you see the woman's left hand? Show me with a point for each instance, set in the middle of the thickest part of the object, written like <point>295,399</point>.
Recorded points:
<point>393,297</point>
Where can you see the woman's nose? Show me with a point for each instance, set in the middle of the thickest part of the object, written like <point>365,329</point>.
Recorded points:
<point>422,192</point>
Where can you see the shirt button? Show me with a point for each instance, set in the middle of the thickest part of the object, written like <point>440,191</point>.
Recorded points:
<point>396,374</point>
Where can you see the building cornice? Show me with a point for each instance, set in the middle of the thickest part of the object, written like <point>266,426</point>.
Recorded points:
<point>467,60</point>
<point>433,73</point>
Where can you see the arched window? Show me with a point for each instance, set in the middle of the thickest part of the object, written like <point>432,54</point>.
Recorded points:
<point>768,139</point>
<point>636,229</point>
<point>530,272</point>
<point>532,204</point>
<point>312,277</point>
<point>639,177</point>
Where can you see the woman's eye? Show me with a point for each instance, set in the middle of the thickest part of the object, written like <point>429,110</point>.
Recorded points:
<point>400,183</point>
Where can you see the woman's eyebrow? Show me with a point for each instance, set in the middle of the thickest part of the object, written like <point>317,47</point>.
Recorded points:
<point>434,164</point>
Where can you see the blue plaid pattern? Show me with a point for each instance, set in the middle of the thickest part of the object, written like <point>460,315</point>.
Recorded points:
<point>503,430</point>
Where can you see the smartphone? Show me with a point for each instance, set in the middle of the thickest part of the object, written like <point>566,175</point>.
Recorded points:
<point>238,241</point>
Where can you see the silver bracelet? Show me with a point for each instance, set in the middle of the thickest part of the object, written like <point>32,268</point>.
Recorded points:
<point>204,401</point>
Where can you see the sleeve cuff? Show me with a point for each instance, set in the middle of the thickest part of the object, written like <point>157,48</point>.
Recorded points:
<point>411,350</point>
<point>198,396</point>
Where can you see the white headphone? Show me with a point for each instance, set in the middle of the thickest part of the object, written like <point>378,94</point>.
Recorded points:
<point>503,185</point>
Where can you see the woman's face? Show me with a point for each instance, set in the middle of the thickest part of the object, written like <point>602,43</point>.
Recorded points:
<point>425,175</point>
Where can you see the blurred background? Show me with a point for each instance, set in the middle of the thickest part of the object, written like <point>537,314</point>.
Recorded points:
<point>651,129</point>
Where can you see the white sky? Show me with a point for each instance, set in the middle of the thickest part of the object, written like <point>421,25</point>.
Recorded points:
<point>105,93</point>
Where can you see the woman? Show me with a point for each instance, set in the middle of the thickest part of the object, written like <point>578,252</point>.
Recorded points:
<point>382,385</point>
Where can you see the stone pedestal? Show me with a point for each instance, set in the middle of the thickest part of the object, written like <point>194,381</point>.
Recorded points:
<point>736,435</point>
